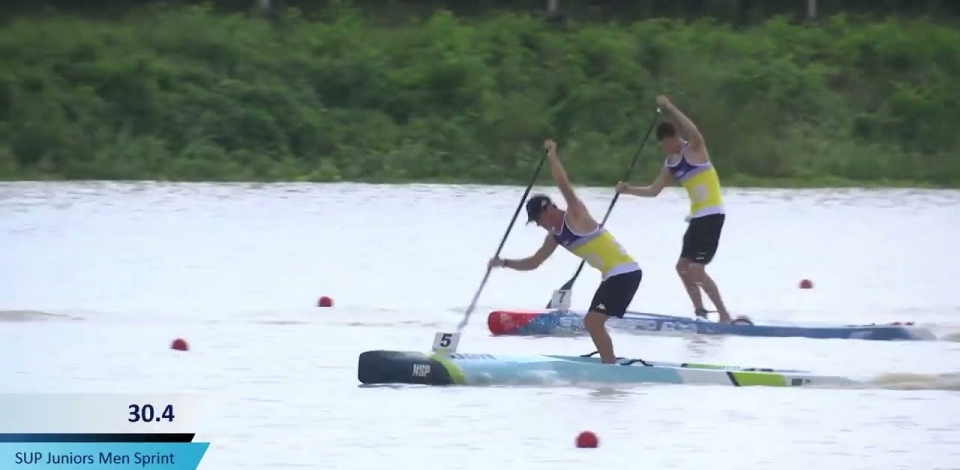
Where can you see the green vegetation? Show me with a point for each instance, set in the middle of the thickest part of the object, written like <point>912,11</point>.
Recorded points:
<point>184,93</point>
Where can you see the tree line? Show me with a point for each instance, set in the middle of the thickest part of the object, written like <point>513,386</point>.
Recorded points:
<point>739,12</point>
<point>340,94</point>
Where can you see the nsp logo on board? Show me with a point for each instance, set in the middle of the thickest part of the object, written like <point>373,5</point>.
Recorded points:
<point>421,370</point>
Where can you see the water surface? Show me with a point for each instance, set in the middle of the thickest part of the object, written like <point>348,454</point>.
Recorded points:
<point>97,278</point>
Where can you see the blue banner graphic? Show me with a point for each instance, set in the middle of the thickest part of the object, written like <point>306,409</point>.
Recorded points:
<point>102,456</point>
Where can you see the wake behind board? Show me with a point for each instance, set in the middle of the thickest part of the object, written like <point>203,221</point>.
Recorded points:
<point>557,323</point>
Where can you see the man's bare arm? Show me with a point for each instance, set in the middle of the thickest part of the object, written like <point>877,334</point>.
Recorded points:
<point>533,262</point>
<point>574,204</point>
<point>689,129</point>
<point>663,179</point>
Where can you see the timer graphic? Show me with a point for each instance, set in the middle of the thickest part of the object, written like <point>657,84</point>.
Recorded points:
<point>116,431</point>
<point>146,413</point>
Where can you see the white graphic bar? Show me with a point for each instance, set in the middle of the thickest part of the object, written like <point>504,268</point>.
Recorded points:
<point>98,413</point>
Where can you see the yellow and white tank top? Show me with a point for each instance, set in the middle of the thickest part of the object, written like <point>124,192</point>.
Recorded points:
<point>701,182</point>
<point>598,248</point>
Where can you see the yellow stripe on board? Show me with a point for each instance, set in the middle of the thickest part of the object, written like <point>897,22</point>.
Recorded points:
<point>455,373</point>
<point>746,379</point>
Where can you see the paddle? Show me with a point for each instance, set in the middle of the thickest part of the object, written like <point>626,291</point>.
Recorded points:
<point>473,303</point>
<point>561,297</point>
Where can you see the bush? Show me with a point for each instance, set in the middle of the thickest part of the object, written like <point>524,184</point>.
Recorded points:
<point>184,93</point>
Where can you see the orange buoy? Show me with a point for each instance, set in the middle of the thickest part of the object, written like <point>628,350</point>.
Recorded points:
<point>806,284</point>
<point>325,302</point>
<point>179,344</point>
<point>587,440</point>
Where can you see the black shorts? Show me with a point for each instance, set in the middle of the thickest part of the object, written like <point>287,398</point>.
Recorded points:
<point>702,238</point>
<point>614,294</point>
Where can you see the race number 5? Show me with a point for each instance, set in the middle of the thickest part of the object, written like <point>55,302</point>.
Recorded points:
<point>446,343</point>
<point>560,300</point>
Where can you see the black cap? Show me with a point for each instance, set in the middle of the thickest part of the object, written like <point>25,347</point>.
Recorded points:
<point>536,205</point>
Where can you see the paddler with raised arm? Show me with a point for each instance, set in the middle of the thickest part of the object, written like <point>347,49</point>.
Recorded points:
<point>577,231</point>
<point>688,163</point>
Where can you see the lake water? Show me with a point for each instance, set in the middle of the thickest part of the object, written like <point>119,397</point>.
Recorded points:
<point>97,278</point>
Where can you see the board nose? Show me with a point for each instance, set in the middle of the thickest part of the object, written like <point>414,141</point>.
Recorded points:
<point>400,367</point>
<point>505,322</point>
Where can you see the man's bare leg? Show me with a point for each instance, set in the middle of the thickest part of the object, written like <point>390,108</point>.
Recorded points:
<point>596,324</point>
<point>698,274</point>
<point>693,290</point>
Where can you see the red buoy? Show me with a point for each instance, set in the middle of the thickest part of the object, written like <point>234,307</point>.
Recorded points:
<point>179,344</point>
<point>806,284</point>
<point>587,440</point>
<point>325,302</point>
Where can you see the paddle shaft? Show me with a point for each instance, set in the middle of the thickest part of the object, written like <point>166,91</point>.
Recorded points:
<point>516,213</point>
<point>626,176</point>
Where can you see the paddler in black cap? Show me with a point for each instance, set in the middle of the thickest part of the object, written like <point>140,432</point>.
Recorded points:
<point>577,231</point>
